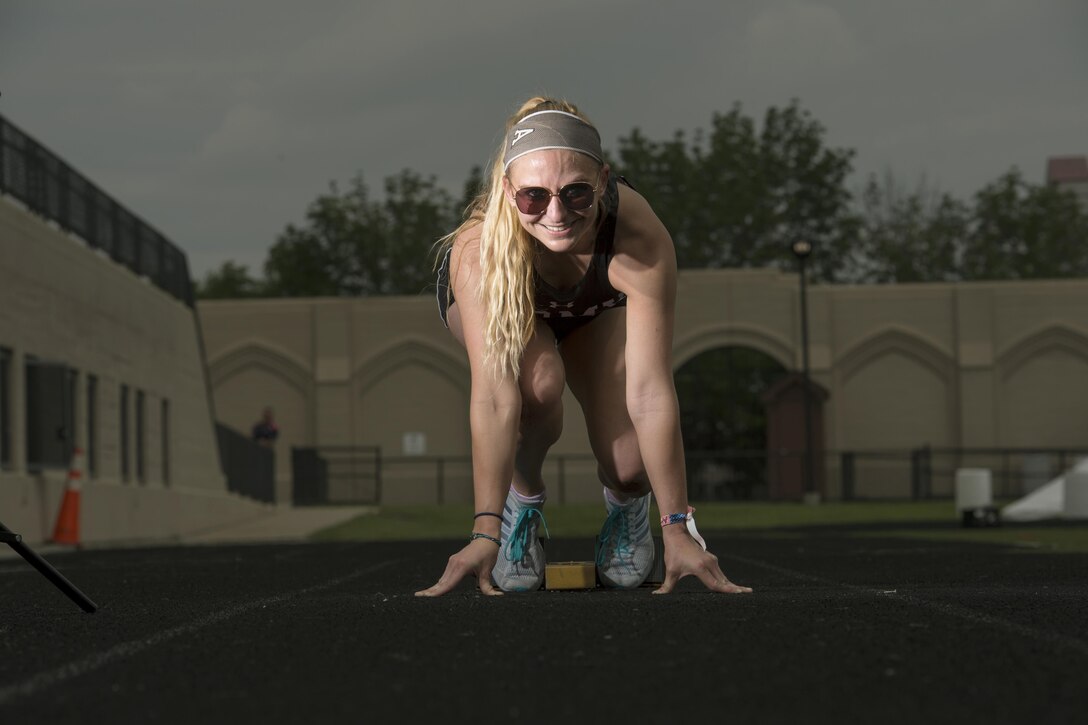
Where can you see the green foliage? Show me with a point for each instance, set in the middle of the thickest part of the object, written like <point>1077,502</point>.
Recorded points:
<point>352,244</point>
<point>721,408</point>
<point>1024,231</point>
<point>474,186</point>
<point>738,196</point>
<point>1012,230</point>
<point>735,195</point>
<point>230,281</point>
<point>720,398</point>
<point>912,237</point>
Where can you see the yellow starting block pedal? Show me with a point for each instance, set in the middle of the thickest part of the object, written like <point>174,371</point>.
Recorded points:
<point>570,575</point>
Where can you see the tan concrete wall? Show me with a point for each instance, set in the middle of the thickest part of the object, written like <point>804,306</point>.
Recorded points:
<point>61,301</point>
<point>948,365</point>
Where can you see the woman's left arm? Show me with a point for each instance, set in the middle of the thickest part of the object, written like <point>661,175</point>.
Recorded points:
<point>644,268</point>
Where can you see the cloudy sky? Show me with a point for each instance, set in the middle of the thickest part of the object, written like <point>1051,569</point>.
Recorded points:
<point>218,121</point>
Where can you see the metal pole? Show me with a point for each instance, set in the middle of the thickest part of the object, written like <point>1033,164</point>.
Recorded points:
<point>810,451</point>
<point>801,250</point>
<point>55,577</point>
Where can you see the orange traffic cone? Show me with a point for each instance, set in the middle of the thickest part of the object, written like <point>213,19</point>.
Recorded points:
<point>67,529</point>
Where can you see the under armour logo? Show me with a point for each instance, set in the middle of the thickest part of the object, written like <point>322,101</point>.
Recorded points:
<point>520,134</point>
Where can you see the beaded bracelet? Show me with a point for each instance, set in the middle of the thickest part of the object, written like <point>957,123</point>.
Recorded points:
<point>689,520</point>
<point>668,519</point>
<point>478,535</point>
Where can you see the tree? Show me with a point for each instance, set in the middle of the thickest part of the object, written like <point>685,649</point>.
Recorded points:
<point>230,281</point>
<point>915,237</point>
<point>1025,231</point>
<point>473,187</point>
<point>738,197</point>
<point>352,244</point>
<point>1012,230</point>
<point>721,408</point>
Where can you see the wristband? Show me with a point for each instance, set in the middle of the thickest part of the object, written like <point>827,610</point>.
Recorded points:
<point>668,519</point>
<point>687,518</point>
<point>487,513</point>
<point>492,539</point>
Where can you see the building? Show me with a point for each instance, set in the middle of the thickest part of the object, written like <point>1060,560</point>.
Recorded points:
<point>980,373</point>
<point>100,350</point>
<point>1069,172</point>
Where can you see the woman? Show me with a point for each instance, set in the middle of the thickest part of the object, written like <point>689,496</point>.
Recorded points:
<point>560,276</point>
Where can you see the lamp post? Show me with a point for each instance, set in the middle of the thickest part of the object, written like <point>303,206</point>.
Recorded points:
<point>802,249</point>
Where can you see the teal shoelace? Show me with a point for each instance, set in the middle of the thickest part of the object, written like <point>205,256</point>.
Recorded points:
<point>616,528</point>
<point>518,544</point>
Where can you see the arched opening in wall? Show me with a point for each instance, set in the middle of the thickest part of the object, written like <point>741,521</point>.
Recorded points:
<point>724,423</point>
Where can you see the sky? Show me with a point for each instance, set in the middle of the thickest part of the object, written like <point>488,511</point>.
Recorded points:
<point>218,121</point>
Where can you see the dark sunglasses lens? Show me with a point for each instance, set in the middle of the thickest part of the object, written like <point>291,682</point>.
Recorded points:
<point>576,197</point>
<point>535,200</point>
<point>532,199</point>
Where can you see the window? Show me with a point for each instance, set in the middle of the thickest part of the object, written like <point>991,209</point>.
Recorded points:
<point>92,426</point>
<point>141,473</point>
<point>124,433</point>
<point>50,414</point>
<point>165,431</point>
<point>5,407</point>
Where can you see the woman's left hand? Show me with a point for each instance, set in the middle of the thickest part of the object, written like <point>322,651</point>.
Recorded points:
<point>477,559</point>
<point>685,557</point>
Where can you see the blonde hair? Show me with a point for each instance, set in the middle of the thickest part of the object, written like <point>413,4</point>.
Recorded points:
<point>506,258</point>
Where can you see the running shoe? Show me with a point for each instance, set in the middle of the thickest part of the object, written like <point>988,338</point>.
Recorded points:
<point>625,548</point>
<point>520,566</point>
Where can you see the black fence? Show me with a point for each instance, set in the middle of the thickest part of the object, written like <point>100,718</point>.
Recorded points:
<point>336,475</point>
<point>250,468</point>
<point>1014,471</point>
<point>362,475</point>
<point>47,186</point>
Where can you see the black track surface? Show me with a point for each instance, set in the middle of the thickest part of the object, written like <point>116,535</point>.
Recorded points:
<point>839,629</point>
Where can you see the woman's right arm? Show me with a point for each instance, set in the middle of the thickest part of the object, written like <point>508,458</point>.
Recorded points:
<point>494,414</point>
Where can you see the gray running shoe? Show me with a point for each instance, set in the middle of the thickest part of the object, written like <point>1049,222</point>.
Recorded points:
<point>625,548</point>
<point>520,567</point>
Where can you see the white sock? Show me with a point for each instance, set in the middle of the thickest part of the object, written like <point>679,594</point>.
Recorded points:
<point>613,498</point>
<point>538,498</point>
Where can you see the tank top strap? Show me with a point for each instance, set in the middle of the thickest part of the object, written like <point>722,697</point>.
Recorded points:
<point>606,235</point>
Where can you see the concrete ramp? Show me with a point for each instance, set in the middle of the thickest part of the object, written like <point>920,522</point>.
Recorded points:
<point>1045,502</point>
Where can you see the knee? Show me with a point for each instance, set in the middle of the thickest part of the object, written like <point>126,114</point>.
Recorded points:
<point>542,386</point>
<point>629,480</point>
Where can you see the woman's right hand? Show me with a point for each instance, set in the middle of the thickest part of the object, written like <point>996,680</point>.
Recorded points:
<point>478,558</point>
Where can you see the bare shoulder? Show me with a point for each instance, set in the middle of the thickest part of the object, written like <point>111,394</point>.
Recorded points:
<point>643,245</point>
<point>465,256</point>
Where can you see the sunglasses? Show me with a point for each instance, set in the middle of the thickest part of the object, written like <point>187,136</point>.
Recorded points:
<point>578,196</point>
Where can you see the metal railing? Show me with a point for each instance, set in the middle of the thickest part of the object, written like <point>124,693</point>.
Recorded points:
<point>1014,471</point>
<point>50,188</point>
<point>337,475</point>
<point>249,467</point>
<point>362,474</point>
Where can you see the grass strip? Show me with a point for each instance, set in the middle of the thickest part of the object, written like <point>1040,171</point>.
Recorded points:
<point>926,520</point>
<point>452,521</point>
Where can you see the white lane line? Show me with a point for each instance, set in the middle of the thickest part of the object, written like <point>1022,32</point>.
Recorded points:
<point>50,678</point>
<point>954,610</point>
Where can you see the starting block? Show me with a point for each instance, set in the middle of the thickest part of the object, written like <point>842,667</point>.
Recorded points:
<point>572,575</point>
